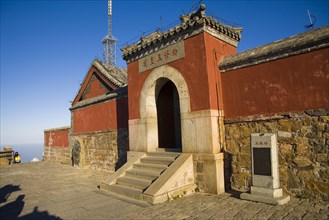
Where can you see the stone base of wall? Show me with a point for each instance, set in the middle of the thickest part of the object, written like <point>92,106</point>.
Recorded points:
<point>208,173</point>
<point>106,150</point>
<point>303,148</point>
<point>57,154</point>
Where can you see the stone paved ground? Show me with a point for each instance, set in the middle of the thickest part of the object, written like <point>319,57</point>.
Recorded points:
<point>46,190</point>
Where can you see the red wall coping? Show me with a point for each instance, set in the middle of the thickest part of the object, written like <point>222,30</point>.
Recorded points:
<point>57,129</point>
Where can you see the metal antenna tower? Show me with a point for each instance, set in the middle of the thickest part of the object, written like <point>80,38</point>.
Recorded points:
<point>109,42</point>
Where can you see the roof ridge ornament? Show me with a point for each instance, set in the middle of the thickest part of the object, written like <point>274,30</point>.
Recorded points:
<point>151,36</point>
<point>195,15</point>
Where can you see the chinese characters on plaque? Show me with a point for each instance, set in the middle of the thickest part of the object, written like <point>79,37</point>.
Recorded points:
<point>163,56</point>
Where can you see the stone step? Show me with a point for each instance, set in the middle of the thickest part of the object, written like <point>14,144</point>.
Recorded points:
<point>163,154</point>
<point>150,167</point>
<point>143,174</point>
<point>173,149</point>
<point>126,191</point>
<point>126,199</point>
<point>157,160</point>
<point>134,182</point>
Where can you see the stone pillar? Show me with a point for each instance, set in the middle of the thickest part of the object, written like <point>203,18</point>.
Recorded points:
<point>209,172</point>
<point>200,133</point>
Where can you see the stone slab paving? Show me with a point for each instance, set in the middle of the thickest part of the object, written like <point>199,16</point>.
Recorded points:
<point>45,190</point>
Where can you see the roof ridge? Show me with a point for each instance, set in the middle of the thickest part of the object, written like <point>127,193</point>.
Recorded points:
<point>191,21</point>
<point>106,71</point>
<point>296,44</point>
<point>122,91</point>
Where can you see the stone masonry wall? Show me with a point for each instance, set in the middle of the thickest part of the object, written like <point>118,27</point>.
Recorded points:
<point>57,154</point>
<point>303,148</point>
<point>106,150</point>
<point>56,145</point>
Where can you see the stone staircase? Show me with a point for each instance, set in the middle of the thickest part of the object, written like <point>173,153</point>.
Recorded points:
<point>132,181</point>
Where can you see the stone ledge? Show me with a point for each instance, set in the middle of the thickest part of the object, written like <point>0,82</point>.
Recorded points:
<point>170,195</point>
<point>273,193</point>
<point>283,115</point>
<point>317,112</point>
<point>257,198</point>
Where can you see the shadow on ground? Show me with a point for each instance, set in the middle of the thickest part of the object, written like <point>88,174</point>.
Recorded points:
<point>6,191</point>
<point>234,193</point>
<point>12,210</point>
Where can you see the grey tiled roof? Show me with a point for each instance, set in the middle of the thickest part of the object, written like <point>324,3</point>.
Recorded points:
<point>301,43</point>
<point>189,22</point>
<point>117,75</point>
<point>121,92</point>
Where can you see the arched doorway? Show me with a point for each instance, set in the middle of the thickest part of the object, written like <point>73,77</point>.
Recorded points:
<point>168,117</point>
<point>143,132</point>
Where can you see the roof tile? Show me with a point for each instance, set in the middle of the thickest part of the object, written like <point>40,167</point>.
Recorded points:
<point>301,43</point>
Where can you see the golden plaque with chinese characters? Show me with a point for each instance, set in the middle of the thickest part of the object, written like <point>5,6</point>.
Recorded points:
<point>161,57</point>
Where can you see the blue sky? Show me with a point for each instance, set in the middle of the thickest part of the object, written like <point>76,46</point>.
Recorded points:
<point>47,47</point>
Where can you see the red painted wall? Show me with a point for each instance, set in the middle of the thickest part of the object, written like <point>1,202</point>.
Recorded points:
<point>291,84</point>
<point>108,115</point>
<point>57,137</point>
<point>215,52</point>
<point>194,69</point>
<point>95,88</point>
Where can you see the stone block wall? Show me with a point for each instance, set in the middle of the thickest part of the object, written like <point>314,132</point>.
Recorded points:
<point>56,145</point>
<point>208,173</point>
<point>303,148</point>
<point>105,150</point>
<point>57,154</point>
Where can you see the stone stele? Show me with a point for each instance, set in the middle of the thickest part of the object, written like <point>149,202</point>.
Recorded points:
<point>265,171</point>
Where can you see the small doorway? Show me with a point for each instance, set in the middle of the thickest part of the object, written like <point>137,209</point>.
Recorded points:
<point>168,113</point>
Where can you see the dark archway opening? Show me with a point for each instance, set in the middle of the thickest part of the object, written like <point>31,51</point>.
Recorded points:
<point>168,113</point>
